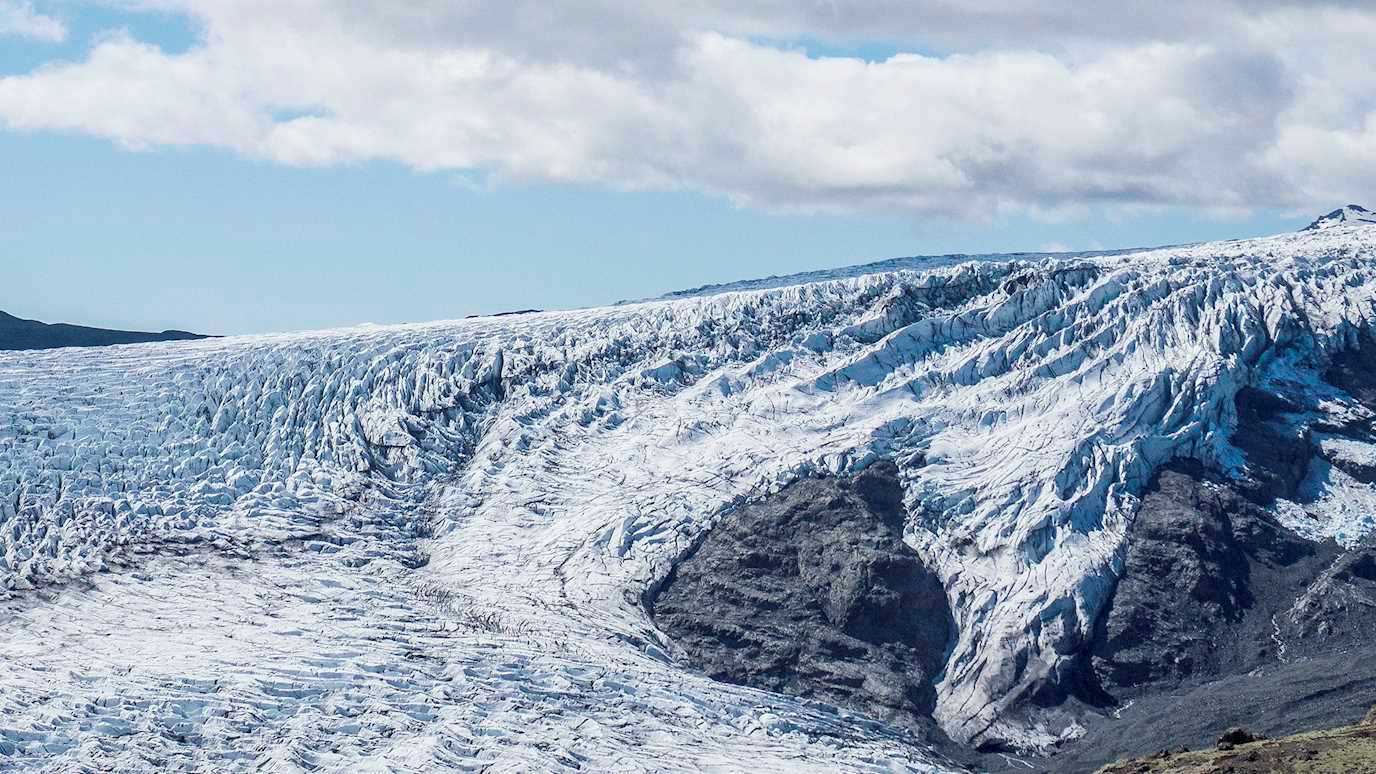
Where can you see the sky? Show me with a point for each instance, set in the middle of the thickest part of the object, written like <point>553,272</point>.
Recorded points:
<point>243,166</point>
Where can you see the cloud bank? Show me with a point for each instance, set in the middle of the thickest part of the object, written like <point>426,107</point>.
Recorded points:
<point>1000,107</point>
<point>20,20</point>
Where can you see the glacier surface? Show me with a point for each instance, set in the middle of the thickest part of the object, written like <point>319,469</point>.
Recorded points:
<point>423,546</point>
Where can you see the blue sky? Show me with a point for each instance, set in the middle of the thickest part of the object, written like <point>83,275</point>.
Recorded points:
<point>201,239</point>
<point>102,225</point>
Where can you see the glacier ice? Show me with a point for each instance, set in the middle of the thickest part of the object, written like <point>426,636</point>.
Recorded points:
<point>433,544</point>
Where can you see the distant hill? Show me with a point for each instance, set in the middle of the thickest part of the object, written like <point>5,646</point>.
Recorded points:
<point>17,333</point>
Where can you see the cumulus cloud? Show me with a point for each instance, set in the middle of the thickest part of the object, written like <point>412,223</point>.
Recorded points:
<point>19,19</point>
<point>1001,107</point>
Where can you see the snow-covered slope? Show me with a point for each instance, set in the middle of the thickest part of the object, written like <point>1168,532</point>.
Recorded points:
<point>432,545</point>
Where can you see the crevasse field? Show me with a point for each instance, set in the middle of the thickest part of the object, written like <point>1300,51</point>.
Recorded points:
<point>431,546</point>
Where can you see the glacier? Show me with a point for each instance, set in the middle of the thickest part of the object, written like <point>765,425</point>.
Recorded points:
<point>422,546</point>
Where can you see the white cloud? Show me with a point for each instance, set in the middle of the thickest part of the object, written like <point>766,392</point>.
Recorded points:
<point>1040,111</point>
<point>19,19</point>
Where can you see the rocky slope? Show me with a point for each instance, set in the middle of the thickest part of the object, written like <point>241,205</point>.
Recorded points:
<point>813,592</point>
<point>490,542</point>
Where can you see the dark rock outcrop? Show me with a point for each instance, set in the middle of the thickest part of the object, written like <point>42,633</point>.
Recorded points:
<point>16,333</point>
<point>1337,611</point>
<point>1235,736</point>
<point>813,592</point>
<point>1205,573</point>
<point>1354,371</point>
<point>1278,451</point>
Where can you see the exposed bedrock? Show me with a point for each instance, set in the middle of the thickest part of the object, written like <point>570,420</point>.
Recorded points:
<point>1354,370</point>
<point>1205,574</point>
<point>1277,450</point>
<point>813,592</point>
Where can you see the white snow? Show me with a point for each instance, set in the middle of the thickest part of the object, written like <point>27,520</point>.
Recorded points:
<point>428,546</point>
<point>1348,449</point>
<point>1336,506</point>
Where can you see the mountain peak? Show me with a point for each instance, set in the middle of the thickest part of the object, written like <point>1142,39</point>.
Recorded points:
<point>1352,213</point>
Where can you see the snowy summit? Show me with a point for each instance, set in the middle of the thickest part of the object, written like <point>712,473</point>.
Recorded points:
<point>1352,213</point>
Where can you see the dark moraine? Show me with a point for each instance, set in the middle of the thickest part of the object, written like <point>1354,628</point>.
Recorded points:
<point>812,592</point>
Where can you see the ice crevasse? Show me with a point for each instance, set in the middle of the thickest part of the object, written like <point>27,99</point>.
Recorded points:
<point>553,466</point>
